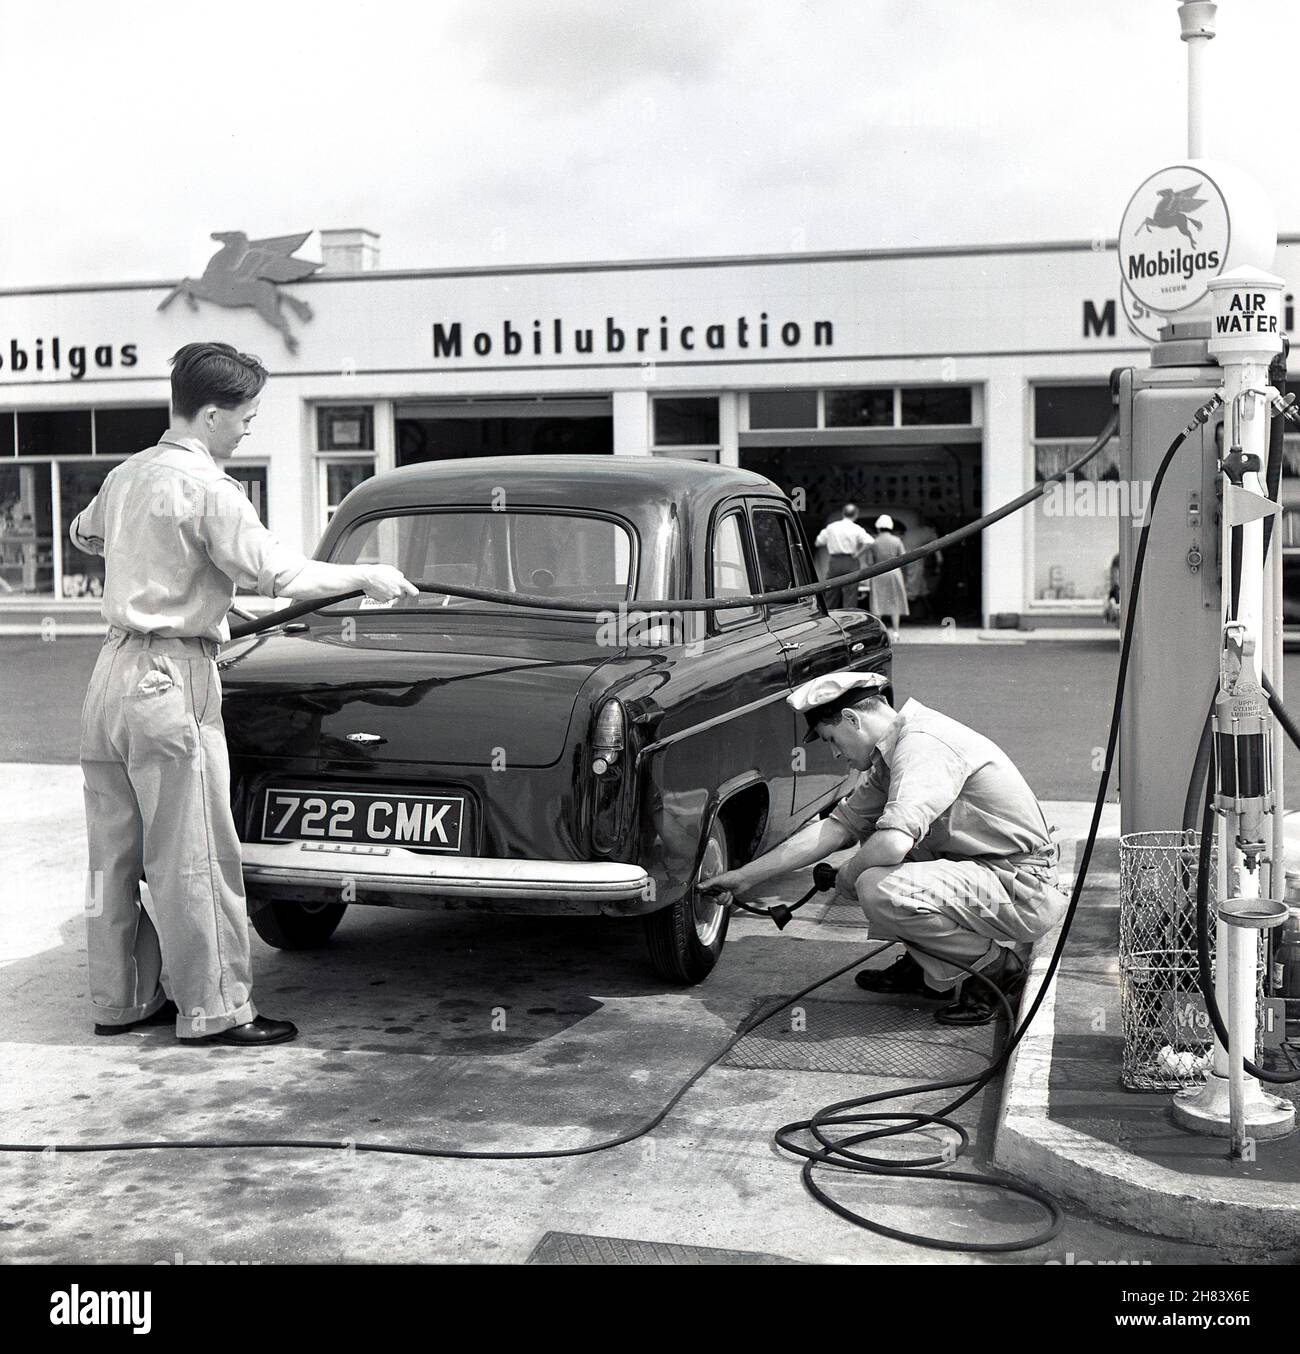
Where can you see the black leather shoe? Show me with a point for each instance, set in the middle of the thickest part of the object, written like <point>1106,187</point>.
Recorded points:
<point>253,1033</point>
<point>164,1015</point>
<point>905,977</point>
<point>977,1005</point>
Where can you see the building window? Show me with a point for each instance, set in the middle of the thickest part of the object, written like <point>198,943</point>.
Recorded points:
<point>869,407</point>
<point>1072,552</point>
<point>79,482</point>
<point>123,432</point>
<point>1071,411</point>
<point>898,407</point>
<point>52,463</point>
<point>342,428</point>
<point>113,431</point>
<point>345,427</point>
<point>685,421</point>
<point>252,480</point>
<point>54,432</point>
<point>338,479</point>
<point>26,534</point>
<point>930,405</point>
<point>782,409</point>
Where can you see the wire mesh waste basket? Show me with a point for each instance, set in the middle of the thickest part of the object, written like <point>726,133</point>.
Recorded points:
<point>1167,1033</point>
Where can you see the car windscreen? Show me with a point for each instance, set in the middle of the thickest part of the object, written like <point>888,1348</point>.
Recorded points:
<point>566,556</point>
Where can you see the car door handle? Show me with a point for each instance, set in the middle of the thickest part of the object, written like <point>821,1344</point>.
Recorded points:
<point>789,648</point>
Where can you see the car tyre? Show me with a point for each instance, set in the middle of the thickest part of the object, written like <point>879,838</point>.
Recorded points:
<point>297,926</point>
<point>686,940</point>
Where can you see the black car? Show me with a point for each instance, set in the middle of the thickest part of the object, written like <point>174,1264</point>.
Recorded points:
<point>442,752</point>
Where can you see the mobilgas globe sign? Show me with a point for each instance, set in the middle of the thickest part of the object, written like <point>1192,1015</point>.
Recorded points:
<point>1174,238</point>
<point>1186,225</point>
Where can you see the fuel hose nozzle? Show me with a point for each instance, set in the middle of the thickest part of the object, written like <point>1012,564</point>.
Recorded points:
<point>1243,747</point>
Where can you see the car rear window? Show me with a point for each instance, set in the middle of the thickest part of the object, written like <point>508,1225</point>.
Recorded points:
<point>543,554</point>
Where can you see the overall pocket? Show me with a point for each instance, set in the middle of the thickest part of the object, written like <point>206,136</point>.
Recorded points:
<point>156,708</point>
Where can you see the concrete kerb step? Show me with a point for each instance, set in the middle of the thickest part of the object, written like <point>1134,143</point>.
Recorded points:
<point>1114,1184</point>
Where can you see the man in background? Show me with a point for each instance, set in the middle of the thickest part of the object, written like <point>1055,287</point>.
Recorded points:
<point>845,543</point>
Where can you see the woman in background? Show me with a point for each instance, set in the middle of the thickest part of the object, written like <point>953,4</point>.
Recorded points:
<point>888,591</point>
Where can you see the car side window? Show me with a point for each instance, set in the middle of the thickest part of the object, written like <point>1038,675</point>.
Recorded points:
<point>803,570</point>
<point>773,546</point>
<point>781,558</point>
<point>729,570</point>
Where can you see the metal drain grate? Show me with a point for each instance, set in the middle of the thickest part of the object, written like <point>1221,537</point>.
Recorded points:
<point>837,913</point>
<point>870,1037</point>
<point>577,1248</point>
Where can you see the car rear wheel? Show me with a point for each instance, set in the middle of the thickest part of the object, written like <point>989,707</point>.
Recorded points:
<point>297,926</point>
<point>686,940</point>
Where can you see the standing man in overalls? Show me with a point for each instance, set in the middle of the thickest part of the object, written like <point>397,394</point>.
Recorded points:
<point>178,535</point>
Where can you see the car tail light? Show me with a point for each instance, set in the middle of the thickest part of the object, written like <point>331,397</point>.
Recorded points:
<point>607,738</point>
<point>612,783</point>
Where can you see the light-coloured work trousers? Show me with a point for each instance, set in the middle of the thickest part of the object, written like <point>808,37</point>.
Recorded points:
<point>964,910</point>
<point>157,791</point>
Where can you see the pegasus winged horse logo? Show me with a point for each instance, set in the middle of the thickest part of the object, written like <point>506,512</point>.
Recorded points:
<point>246,272</point>
<point>1172,211</point>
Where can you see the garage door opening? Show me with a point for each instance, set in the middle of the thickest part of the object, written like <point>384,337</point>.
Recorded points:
<point>930,490</point>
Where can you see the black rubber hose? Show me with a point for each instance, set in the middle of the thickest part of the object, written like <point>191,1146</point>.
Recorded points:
<point>1197,780</point>
<point>835,1153</point>
<point>454,1153</point>
<point>1281,714</point>
<point>774,598</point>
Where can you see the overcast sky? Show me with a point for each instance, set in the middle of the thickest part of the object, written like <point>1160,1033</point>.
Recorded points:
<point>487,131</point>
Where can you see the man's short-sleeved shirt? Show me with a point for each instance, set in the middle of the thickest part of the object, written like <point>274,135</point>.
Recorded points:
<point>844,537</point>
<point>178,535</point>
<point>953,791</point>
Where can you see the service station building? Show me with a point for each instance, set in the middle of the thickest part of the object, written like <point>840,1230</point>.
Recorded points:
<point>931,384</point>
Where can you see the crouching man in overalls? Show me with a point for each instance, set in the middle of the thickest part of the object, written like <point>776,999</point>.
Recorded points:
<point>956,859</point>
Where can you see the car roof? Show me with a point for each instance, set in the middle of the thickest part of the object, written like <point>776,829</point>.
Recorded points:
<point>615,483</point>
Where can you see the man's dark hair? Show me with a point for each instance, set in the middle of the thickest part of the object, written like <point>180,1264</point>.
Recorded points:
<point>213,373</point>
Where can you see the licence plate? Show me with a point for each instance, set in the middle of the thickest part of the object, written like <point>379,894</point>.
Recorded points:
<point>420,822</point>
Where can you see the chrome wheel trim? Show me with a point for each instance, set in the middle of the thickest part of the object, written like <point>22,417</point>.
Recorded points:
<point>707,914</point>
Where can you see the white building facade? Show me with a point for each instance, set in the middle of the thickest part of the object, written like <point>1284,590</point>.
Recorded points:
<point>931,384</point>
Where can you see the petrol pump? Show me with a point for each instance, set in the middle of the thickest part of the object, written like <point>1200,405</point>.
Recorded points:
<point>1195,245</point>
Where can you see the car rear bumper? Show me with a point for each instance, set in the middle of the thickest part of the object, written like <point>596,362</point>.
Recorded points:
<point>402,878</point>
